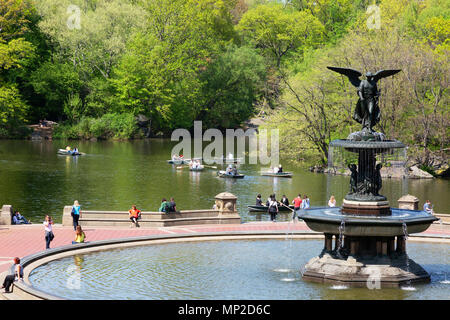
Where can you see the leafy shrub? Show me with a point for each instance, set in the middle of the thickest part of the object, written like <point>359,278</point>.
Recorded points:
<point>109,126</point>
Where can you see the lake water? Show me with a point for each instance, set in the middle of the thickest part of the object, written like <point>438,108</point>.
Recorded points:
<point>237,269</point>
<point>113,175</point>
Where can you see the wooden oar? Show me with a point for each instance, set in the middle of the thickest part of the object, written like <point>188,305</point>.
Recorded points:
<point>213,167</point>
<point>287,206</point>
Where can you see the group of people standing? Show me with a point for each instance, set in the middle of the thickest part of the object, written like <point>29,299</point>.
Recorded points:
<point>273,204</point>
<point>80,236</point>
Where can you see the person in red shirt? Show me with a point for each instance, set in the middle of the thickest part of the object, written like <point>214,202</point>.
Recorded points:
<point>134,215</point>
<point>297,204</point>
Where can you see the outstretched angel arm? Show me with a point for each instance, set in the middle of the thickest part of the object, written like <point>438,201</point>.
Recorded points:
<point>385,73</point>
<point>353,75</point>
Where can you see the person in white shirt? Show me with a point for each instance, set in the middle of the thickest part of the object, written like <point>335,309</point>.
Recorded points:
<point>332,202</point>
<point>48,223</point>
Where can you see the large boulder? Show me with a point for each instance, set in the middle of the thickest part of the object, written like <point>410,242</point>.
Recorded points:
<point>144,123</point>
<point>416,173</point>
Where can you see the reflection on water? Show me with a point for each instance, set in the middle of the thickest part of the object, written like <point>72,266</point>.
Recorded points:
<point>223,270</point>
<point>115,174</point>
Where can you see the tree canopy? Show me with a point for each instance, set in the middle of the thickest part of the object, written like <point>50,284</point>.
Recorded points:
<point>95,65</point>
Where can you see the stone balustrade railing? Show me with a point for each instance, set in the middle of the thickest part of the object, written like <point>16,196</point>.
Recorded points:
<point>226,212</point>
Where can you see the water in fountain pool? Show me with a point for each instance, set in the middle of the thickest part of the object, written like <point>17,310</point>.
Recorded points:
<point>219,270</point>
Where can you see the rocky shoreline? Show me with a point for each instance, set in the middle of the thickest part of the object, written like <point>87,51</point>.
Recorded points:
<point>412,172</point>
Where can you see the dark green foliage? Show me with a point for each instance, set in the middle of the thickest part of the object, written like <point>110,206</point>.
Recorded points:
<point>233,83</point>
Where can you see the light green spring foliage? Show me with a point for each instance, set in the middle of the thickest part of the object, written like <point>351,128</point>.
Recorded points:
<point>163,72</point>
<point>278,31</point>
<point>89,38</point>
<point>15,53</point>
<point>91,35</point>
<point>151,54</point>
<point>215,60</point>
<point>317,104</point>
<point>12,108</point>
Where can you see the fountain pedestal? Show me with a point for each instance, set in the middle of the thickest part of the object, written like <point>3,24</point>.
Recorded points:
<point>365,271</point>
<point>367,248</point>
<point>380,208</point>
<point>370,236</point>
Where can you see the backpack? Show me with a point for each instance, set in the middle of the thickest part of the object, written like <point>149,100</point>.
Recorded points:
<point>272,206</point>
<point>166,207</point>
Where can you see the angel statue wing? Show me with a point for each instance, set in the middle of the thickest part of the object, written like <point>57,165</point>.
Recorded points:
<point>352,75</point>
<point>385,73</point>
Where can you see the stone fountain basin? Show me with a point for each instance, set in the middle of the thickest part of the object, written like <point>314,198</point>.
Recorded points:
<point>328,220</point>
<point>375,146</point>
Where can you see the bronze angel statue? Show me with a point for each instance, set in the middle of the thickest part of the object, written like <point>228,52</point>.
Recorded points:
<point>367,111</point>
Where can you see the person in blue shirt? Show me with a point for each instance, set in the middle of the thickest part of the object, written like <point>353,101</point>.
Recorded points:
<point>76,214</point>
<point>428,207</point>
<point>305,202</point>
<point>19,219</point>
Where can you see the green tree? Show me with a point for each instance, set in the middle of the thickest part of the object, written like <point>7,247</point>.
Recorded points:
<point>414,103</point>
<point>14,18</point>
<point>15,53</point>
<point>159,75</point>
<point>56,82</point>
<point>335,15</point>
<point>88,40</point>
<point>12,107</point>
<point>233,82</point>
<point>277,32</point>
<point>91,35</point>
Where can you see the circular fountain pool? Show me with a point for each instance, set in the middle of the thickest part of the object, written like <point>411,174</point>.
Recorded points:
<point>237,269</point>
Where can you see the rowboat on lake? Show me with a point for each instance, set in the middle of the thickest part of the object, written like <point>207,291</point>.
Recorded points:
<point>257,208</point>
<point>179,161</point>
<point>278,174</point>
<point>69,152</point>
<point>223,174</point>
<point>199,168</point>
